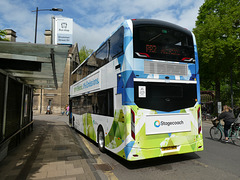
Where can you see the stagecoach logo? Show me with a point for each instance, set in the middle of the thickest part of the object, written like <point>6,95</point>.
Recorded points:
<point>157,123</point>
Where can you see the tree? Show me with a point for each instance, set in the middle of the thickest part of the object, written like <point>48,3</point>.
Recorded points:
<point>218,38</point>
<point>84,53</point>
<point>2,35</point>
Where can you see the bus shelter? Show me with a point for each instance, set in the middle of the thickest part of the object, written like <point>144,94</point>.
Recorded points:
<point>25,67</point>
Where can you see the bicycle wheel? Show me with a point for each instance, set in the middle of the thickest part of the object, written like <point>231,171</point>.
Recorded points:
<point>215,133</point>
<point>236,137</point>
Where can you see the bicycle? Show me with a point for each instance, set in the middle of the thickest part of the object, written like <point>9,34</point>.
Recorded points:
<point>206,116</point>
<point>216,131</point>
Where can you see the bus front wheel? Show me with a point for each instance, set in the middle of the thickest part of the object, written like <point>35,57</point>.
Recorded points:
<point>101,140</point>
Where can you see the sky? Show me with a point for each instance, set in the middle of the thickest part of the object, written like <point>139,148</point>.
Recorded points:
<point>93,20</point>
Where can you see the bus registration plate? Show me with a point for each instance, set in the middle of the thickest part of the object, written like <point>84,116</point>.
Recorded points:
<point>169,148</point>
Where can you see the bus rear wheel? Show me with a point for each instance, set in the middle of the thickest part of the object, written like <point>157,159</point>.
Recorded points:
<point>101,140</point>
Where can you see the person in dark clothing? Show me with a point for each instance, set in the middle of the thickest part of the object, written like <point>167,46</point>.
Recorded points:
<point>228,118</point>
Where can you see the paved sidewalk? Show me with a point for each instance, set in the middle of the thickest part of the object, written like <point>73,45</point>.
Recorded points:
<point>51,151</point>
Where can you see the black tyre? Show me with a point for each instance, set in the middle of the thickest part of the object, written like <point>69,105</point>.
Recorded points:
<point>101,140</point>
<point>236,137</point>
<point>215,133</point>
<point>73,120</point>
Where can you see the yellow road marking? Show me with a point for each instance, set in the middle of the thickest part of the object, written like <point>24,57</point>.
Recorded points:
<point>110,175</point>
<point>99,160</point>
<point>200,163</point>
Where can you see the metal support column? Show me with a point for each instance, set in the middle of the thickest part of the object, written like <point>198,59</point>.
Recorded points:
<point>5,108</point>
<point>22,107</point>
<point>41,102</point>
<point>54,68</point>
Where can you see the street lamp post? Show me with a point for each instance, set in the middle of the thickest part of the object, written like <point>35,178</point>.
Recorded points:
<point>53,9</point>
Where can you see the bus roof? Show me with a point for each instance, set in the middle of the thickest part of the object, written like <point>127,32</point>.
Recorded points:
<point>144,22</point>
<point>150,22</point>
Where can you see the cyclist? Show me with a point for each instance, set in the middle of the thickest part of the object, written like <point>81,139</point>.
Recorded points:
<point>228,118</point>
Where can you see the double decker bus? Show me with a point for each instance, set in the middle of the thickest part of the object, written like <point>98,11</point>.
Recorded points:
<point>138,94</point>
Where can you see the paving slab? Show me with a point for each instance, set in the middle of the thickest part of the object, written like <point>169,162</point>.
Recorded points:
<point>50,151</point>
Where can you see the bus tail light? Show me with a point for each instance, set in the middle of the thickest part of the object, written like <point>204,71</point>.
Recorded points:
<point>143,55</point>
<point>133,124</point>
<point>199,120</point>
<point>185,58</point>
<point>199,129</point>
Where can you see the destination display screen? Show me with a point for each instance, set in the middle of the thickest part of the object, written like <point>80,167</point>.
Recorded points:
<point>162,50</point>
<point>155,42</point>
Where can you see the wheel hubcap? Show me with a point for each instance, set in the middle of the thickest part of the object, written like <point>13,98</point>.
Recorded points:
<point>101,140</point>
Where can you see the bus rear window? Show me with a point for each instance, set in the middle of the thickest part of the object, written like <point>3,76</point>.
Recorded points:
<point>164,96</point>
<point>155,42</point>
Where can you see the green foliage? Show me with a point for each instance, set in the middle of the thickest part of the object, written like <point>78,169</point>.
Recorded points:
<point>2,35</point>
<point>218,38</point>
<point>84,53</point>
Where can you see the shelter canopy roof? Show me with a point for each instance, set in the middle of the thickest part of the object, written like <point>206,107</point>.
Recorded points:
<point>39,65</point>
